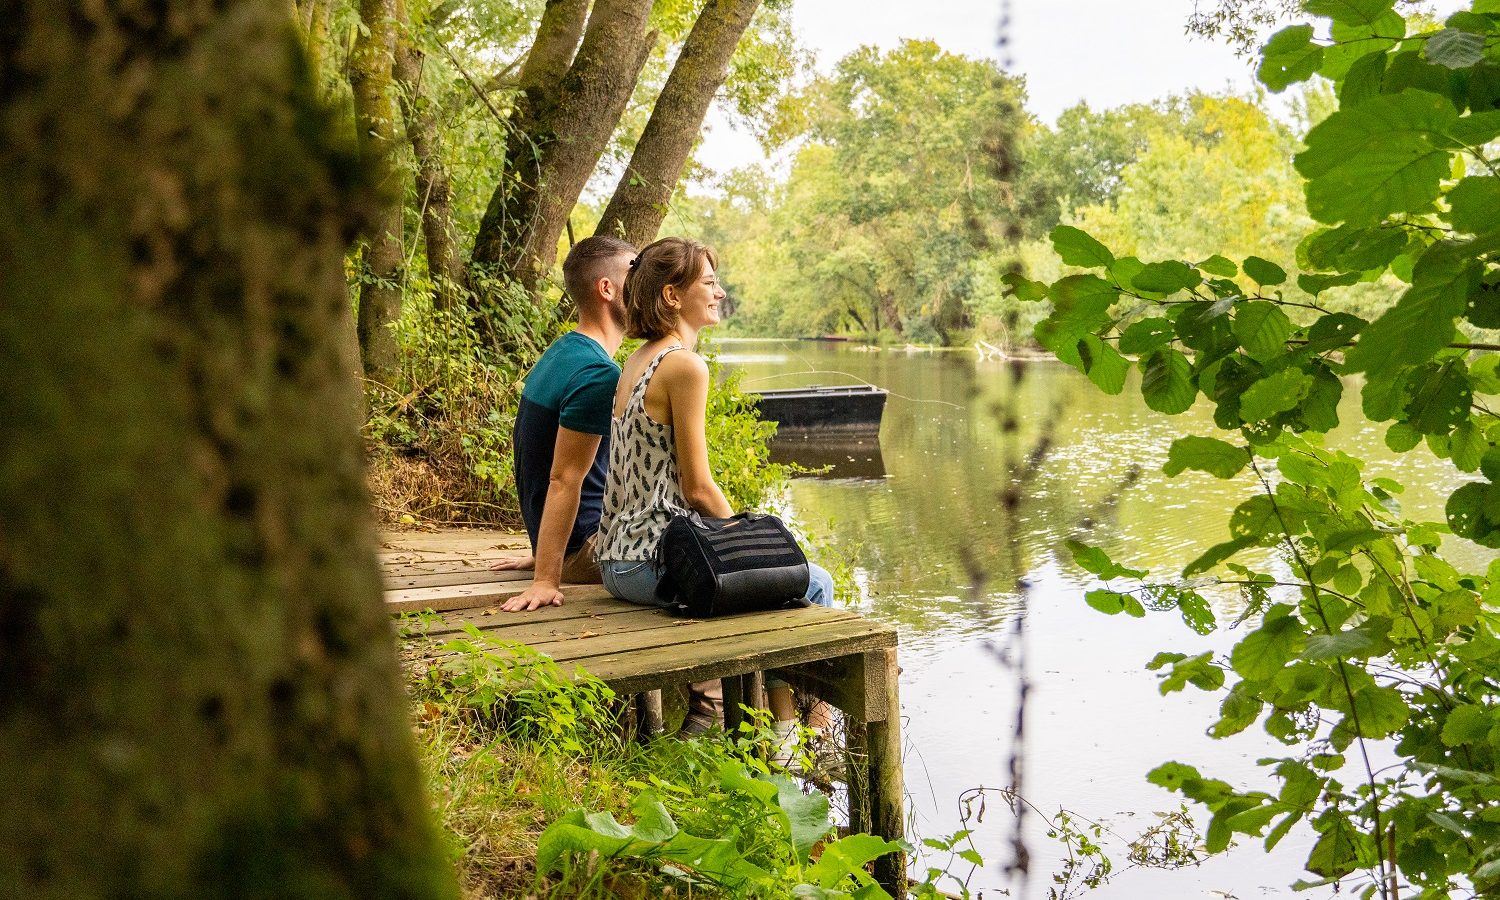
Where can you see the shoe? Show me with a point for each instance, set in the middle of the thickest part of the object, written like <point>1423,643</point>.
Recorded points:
<point>695,725</point>
<point>786,753</point>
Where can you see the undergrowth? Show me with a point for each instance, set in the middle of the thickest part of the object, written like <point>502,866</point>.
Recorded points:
<point>541,795</point>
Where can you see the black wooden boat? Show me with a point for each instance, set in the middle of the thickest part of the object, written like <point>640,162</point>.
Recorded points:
<point>843,409</point>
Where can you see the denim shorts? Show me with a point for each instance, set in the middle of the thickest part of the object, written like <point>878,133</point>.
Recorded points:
<point>635,580</point>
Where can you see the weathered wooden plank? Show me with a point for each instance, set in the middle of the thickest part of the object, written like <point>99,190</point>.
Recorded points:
<point>470,596</point>
<point>440,566</point>
<point>753,633</point>
<point>582,602</point>
<point>642,628</point>
<point>442,579</point>
<point>658,667</point>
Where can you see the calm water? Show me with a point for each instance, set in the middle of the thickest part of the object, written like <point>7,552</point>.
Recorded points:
<point>937,553</point>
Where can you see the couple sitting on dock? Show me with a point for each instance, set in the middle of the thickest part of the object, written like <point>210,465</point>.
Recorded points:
<point>604,459</point>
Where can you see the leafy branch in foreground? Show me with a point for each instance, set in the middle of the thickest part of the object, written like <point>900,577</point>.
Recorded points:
<point>1365,632</point>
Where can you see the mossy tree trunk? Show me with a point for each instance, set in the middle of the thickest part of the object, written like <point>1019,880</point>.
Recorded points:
<point>640,201</point>
<point>200,696</point>
<point>434,194</point>
<point>570,106</point>
<point>371,66</point>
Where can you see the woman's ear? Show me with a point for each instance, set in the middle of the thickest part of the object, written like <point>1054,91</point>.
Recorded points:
<point>669,293</point>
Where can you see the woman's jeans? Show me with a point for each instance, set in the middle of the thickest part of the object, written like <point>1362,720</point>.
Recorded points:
<point>635,580</point>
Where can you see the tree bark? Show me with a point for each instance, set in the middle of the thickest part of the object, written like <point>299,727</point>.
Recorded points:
<point>641,199</point>
<point>200,689</point>
<point>370,75</point>
<point>561,136</point>
<point>434,194</point>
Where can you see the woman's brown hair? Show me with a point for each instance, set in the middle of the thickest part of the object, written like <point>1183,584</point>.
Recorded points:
<point>670,261</point>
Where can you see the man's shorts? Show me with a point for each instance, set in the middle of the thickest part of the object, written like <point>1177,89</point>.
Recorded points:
<point>580,567</point>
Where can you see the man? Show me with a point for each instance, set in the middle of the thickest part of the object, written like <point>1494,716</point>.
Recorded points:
<point>562,427</point>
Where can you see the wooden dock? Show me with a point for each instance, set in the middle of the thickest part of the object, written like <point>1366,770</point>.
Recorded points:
<point>842,657</point>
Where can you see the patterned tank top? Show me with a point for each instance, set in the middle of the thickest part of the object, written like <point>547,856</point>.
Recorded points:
<point>643,490</point>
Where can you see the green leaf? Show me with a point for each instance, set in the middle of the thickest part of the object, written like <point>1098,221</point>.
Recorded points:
<point>1166,277</point>
<point>1339,645</point>
<point>1023,288</point>
<point>1440,397</point>
<point>1080,306</point>
<point>1167,383</point>
<point>1333,331</point>
<point>1219,458</point>
<point>1266,650</point>
<point>1261,328</point>
<point>1146,335</point>
<point>1402,437</point>
<point>1380,711</point>
<point>1289,56</point>
<point>1077,248</point>
<point>1483,309</point>
<point>1350,12</point>
<point>1274,394</point>
<point>1341,850</point>
<point>1474,204</point>
<point>1467,724</point>
<point>1257,518</point>
<point>807,814</point>
<point>1454,49</point>
<point>1263,271</point>
<point>1470,514</point>
<point>1113,602</point>
<point>1387,155</point>
<point>1096,562</point>
<point>1221,266</point>
<point>1418,326</point>
<point>1103,364</point>
<point>847,856</point>
<point>1217,554</point>
<point>1467,446</point>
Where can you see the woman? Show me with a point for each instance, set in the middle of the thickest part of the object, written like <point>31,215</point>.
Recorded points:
<point>658,451</point>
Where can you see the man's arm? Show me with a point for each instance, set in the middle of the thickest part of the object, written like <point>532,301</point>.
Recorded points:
<point>572,457</point>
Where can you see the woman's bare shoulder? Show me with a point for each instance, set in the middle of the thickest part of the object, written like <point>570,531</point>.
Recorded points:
<point>683,365</point>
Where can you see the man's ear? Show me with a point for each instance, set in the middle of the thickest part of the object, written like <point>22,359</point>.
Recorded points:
<point>605,288</point>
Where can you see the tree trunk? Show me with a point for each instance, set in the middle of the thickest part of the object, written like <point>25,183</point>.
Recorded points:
<point>561,135</point>
<point>891,313</point>
<point>641,199</point>
<point>370,75</point>
<point>313,17</point>
<point>200,690</point>
<point>444,264</point>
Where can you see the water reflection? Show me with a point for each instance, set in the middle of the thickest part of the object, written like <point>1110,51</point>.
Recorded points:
<point>953,433</point>
<point>836,458</point>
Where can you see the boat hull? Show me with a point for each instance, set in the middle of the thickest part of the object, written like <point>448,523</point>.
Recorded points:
<point>849,410</point>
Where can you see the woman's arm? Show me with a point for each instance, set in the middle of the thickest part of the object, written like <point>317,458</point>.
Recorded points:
<point>687,393</point>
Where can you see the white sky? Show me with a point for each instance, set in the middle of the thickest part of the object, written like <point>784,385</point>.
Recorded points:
<point>1107,52</point>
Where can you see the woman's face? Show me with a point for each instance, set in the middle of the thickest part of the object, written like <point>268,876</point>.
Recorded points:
<point>698,304</point>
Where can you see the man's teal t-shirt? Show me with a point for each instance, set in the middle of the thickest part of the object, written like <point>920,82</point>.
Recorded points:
<point>572,386</point>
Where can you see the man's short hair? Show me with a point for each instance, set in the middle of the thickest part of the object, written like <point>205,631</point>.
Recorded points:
<point>588,262</point>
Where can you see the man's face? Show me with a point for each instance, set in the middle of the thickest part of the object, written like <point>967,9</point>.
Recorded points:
<point>619,267</point>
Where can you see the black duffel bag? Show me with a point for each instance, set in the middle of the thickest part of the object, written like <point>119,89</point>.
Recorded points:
<point>718,567</point>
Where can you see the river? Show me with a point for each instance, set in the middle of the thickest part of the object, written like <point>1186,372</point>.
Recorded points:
<point>936,549</point>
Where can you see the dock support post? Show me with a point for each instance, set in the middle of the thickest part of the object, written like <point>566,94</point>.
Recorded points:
<point>648,715</point>
<point>734,694</point>
<point>887,784</point>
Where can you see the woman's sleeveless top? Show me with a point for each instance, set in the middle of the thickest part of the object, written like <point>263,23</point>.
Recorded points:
<point>643,490</point>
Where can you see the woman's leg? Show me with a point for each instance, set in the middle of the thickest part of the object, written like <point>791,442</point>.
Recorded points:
<point>779,695</point>
<point>635,580</point>
<point>819,585</point>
